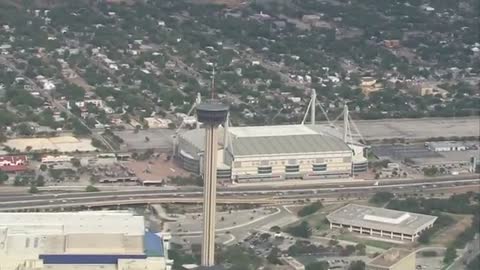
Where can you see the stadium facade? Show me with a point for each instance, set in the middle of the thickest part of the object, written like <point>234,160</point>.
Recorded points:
<point>267,153</point>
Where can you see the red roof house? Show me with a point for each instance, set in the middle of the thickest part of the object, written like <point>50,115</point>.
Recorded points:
<point>13,163</point>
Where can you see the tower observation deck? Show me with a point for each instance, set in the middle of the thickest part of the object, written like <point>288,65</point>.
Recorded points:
<point>212,113</point>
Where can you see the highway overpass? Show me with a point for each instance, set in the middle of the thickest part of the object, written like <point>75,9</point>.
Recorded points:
<point>85,200</point>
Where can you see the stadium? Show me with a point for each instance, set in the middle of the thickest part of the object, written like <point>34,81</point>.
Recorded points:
<point>273,153</point>
<point>281,152</point>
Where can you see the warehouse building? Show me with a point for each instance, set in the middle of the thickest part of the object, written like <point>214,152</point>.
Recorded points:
<point>265,153</point>
<point>108,240</point>
<point>380,222</point>
<point>393,259</point>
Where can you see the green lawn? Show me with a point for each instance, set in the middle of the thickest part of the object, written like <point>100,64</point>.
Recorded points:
<point>368,242</point>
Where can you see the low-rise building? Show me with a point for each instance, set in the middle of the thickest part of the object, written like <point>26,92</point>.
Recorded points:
<point>56,159</point>
<point>109,240</point>
<point>369,85</point>
<point>292,263</point>
<point>380,222</point>
<point>446,146</point>
<point>13,164</point>
<point>393,259</point>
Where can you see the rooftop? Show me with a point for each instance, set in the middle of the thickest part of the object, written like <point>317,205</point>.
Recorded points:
<point>446,144</point>
<point>110,222</point>
<point>390,257</point>
<point>272,131</point>
<point>103,237</point>
<point>380,218</point>
<point>271,140</point>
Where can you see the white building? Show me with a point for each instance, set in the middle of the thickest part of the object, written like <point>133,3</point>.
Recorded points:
<point>81,104</point>
<point>380,222</point>
<point>108,240</point>
<point>56,159</point>
<point>446,146</point>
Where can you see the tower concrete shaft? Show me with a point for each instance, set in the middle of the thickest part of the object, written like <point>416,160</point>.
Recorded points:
<point>211,114</point>
<point>209,195</point>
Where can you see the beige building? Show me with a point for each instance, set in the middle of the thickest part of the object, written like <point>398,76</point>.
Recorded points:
<point>292,263</point>
<point>108,240</point>
<point>393,259</point>
<point>369,85</point>
<point>266,153</point>
<point>380,222</point>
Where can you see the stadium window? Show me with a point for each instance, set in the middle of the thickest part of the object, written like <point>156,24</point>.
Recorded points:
<point>264,170</point>
<point>319,167</point>
<point>292,168</point>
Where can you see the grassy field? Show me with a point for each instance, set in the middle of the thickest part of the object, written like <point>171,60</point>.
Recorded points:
<point>446,235</point>
<point>368,242</point>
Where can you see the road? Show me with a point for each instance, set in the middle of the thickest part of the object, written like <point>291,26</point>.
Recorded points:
<point>226,195</point>
<point>472,250</point>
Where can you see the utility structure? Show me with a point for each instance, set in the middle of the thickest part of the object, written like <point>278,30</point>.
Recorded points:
<point>211,114</point>
<point>311,108</point>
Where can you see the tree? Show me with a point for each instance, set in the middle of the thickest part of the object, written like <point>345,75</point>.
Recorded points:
<point>72,92</point>
<point>275,229</point>
<point>91,188</point>
<point>357,265</point>
<point>431,171</point>
<point>43,167</point>
<point>3,138</point>
<point>55,174</point>
<point>450,255</point>
<point>24,129</point>
<point>381,197</point>
<point>301,230</point>
<point>79,128</point>
<point>361,249</point>
<point>3,177</point>
<point>273,256</point>
<point>76,162</point>
<point>40,182</point>
<point>322,265</point>
<point>349,250</point>
<point>310,209</point>
<point>264,236</point>
<point>475,264</point>
<point>98,144</point>
<point>33,189</point>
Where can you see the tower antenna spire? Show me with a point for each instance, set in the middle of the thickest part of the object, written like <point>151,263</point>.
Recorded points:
<point>213,81</point>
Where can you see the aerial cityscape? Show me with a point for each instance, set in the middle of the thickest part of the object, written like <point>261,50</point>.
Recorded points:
<point>239,135</point>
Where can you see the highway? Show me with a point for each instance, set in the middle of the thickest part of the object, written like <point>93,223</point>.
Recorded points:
<point>226,195</point>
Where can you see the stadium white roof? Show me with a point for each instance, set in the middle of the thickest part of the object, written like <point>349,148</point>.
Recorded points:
<point>273,140</point>
<point>380,219</point>
<point>271,131</point>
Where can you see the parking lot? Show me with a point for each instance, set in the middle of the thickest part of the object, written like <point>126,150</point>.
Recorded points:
<point>401,152</point>
<point>161,139</point>
<point>419,156</point>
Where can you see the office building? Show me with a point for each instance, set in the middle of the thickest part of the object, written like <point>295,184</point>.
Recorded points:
<point>380,222</point>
